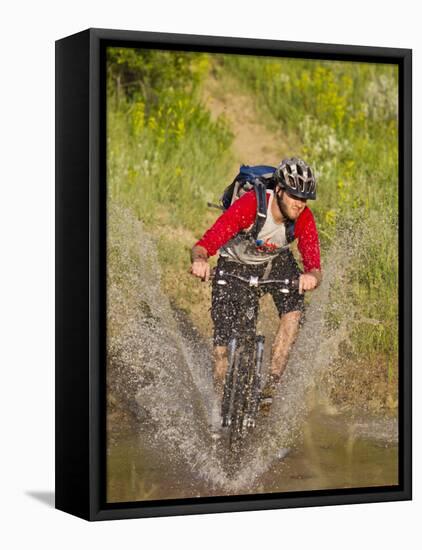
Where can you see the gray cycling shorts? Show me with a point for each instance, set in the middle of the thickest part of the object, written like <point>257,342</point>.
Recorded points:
<point>235,305</point>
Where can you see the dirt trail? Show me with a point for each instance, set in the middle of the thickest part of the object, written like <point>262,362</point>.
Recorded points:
<point>253,143</point>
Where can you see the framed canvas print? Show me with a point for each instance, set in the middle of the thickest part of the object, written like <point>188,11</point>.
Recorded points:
<point>233,244</point>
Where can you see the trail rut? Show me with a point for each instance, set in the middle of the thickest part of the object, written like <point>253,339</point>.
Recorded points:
<point>254,142</point>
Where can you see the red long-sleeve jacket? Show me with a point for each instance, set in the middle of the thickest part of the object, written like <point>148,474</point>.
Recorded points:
<point>241,215</point>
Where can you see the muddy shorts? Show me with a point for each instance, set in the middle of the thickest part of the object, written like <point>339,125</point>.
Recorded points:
<point>235,305</point>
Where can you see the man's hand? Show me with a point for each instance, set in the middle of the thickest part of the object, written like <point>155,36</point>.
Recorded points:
<point>200,267</point>
<point>308,281</point>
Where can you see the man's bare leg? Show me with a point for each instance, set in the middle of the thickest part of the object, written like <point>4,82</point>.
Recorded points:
<point>220,369</point>
<point>283,342</point>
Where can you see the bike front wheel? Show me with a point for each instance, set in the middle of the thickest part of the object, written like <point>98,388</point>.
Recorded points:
<point>241,390</point>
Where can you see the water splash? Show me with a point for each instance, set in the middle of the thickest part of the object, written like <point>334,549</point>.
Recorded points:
<point>316,348</point>
<point>152,369</point>
<point>164,377</point>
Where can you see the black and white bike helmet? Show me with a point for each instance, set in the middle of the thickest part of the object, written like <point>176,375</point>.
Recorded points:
<point>296,177</point>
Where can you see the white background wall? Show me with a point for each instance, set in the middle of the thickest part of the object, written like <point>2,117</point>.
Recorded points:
<point>28,32</point>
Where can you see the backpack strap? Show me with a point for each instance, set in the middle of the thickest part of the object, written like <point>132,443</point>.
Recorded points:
<point>261,213</point>
<point>290,231</point>
<point>261,210</point>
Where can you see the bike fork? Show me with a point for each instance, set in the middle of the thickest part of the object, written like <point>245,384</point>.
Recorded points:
<point>227,402</point>
<point>255,383</point>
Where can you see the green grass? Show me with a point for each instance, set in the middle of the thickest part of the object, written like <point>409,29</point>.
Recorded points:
<point>166,157</point>
<point>171,179</point>
<point>165,154</point>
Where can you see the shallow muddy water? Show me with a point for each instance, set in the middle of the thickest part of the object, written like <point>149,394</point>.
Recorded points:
<point>335,451</point>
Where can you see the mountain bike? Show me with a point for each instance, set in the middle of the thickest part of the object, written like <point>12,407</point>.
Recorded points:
<point>243,381</point>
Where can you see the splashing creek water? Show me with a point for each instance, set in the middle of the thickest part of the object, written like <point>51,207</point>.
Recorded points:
<point>160,371</point>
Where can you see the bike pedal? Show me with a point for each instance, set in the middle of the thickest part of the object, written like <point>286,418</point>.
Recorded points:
<point>265,405</point>
<point>266,401</point>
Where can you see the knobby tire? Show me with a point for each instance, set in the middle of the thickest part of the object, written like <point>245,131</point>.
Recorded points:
<point>241,389</point>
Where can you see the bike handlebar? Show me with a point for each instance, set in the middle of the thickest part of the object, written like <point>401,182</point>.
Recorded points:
<point>288,284</point>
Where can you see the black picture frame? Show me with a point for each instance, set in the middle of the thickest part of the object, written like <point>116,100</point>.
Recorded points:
<point>81,273</point>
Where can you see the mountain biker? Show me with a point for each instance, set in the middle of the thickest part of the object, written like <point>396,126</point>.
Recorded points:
<point>268,256</point>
